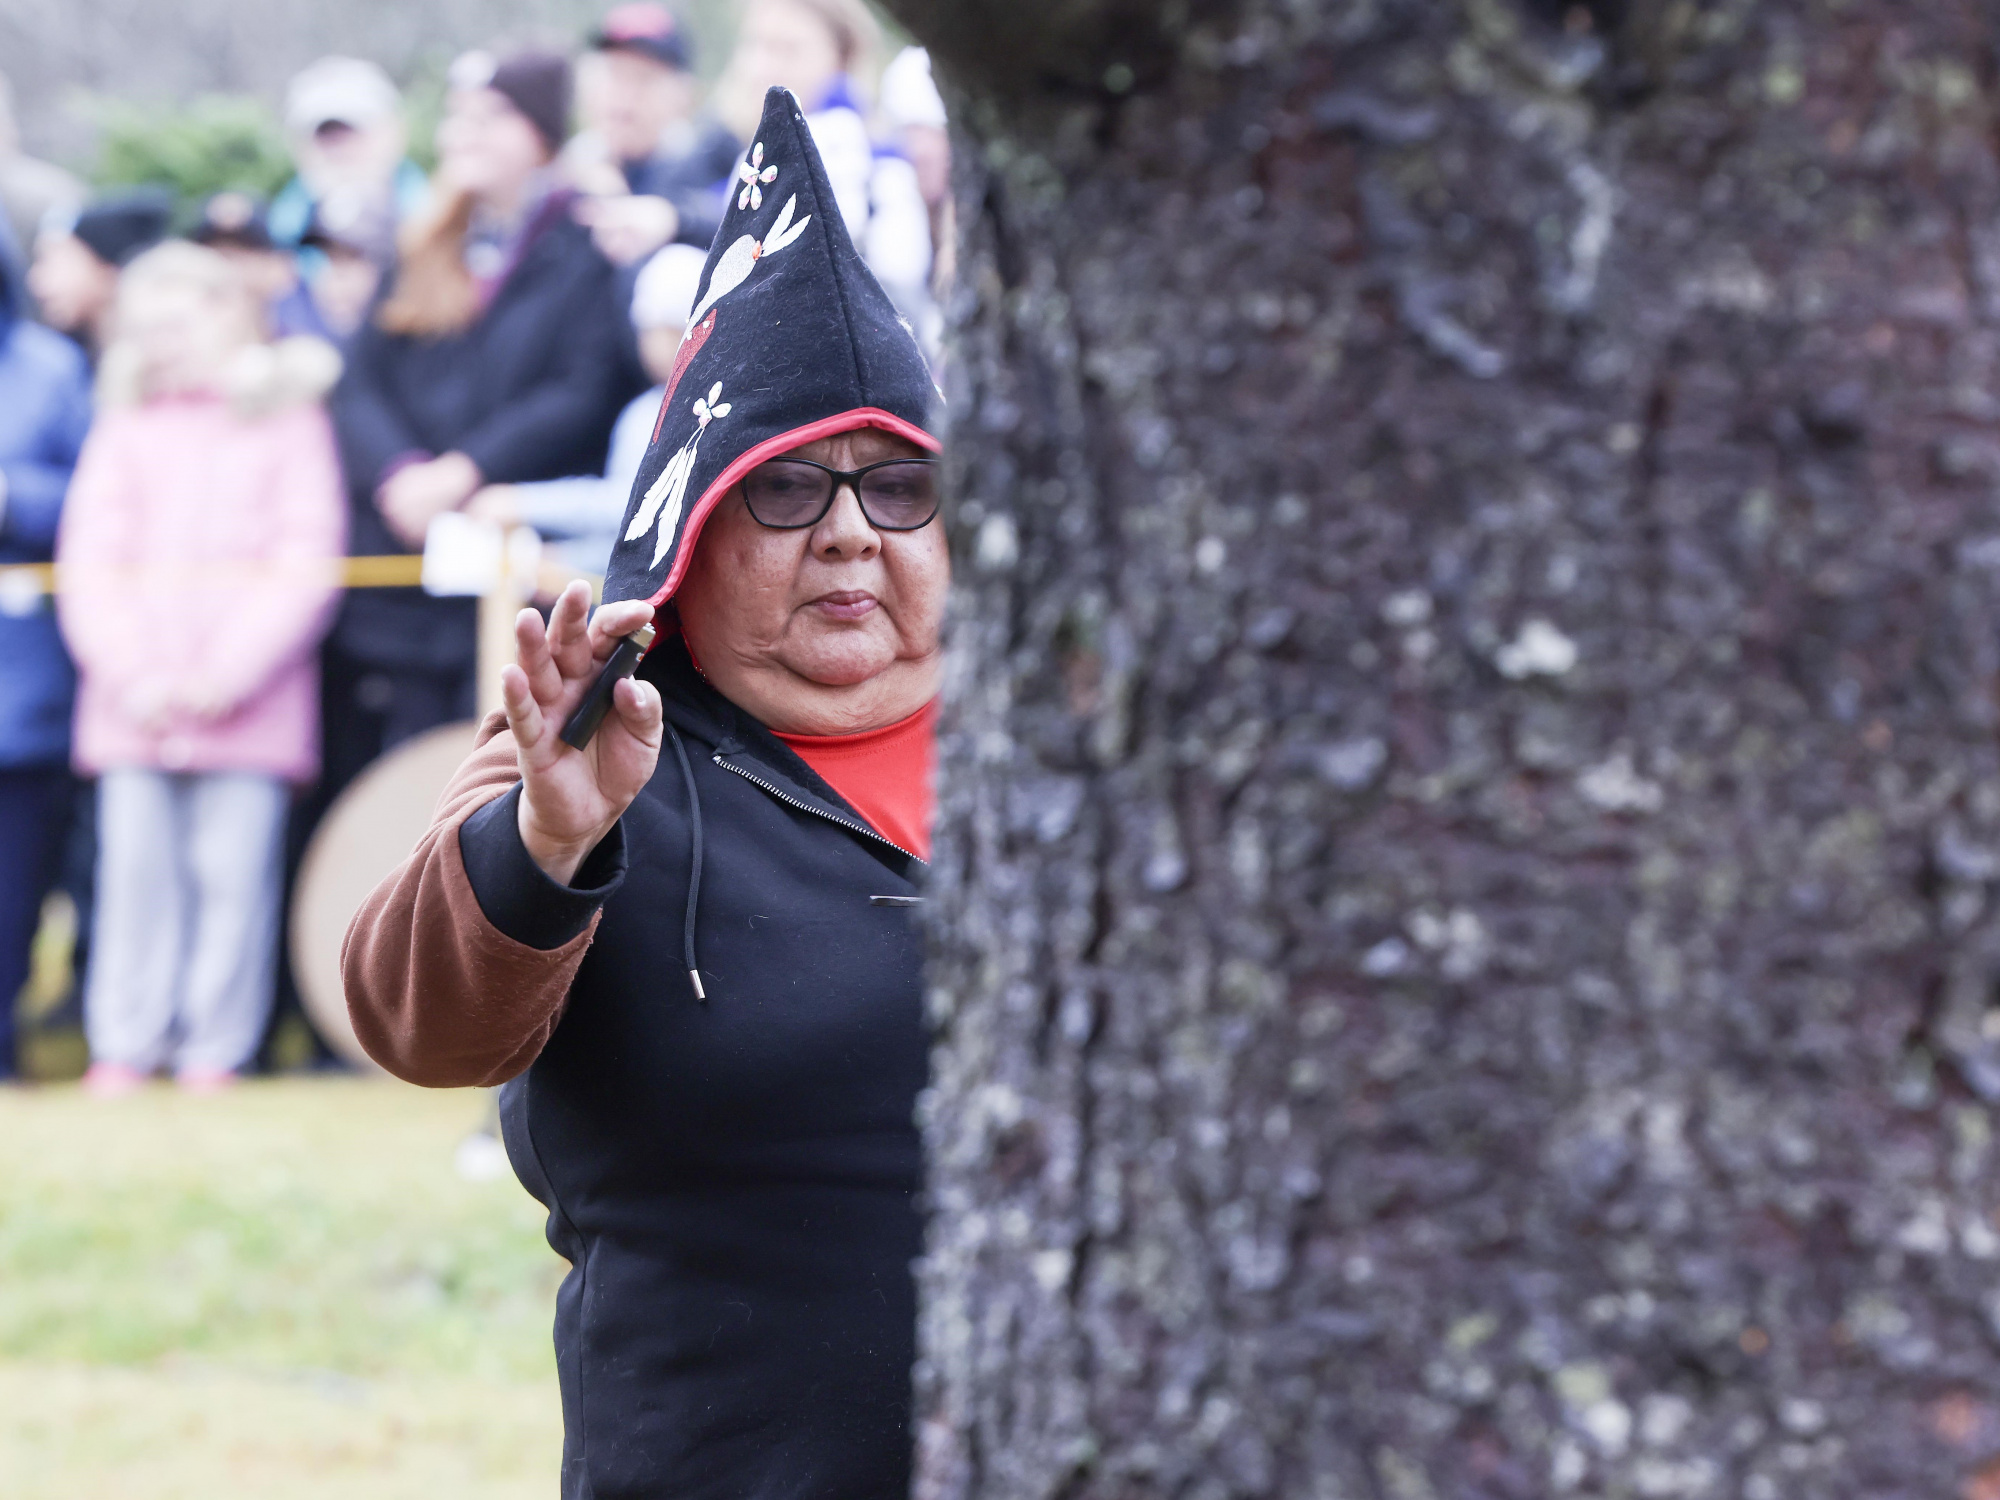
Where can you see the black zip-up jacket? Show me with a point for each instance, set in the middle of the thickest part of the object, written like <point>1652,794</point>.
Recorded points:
<point>734,1180</point>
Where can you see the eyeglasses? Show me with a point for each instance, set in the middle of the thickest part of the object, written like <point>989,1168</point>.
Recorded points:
<point>788,494</point>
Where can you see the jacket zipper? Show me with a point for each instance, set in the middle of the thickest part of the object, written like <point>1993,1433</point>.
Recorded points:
<point>818,812</point>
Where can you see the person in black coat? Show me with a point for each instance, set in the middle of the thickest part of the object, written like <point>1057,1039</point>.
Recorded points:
<point>689,948</point>
<point>496,355</point>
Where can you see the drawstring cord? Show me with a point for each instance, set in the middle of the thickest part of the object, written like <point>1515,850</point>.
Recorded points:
<point>694,866</point>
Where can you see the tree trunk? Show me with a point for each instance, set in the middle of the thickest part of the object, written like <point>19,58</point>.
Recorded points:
<point>1466,956</point>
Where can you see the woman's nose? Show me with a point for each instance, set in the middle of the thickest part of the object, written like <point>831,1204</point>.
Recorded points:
<point>843,532</point>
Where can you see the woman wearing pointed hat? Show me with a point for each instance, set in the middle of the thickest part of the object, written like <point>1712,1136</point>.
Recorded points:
<point>688,949</point>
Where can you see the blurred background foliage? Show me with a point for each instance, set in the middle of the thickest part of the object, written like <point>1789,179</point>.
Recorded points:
<point>121,90</point>
<point>213,142</point>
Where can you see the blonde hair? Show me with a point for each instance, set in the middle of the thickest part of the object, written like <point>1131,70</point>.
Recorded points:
<point>434,295</point>
<point>123,376</point>
<point>182,263</point>
<point>254,376</point>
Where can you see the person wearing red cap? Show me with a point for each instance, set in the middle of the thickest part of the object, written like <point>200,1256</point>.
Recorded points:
<point>638,101</point>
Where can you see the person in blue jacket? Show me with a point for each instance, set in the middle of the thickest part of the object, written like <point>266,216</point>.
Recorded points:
<point>44,412</point>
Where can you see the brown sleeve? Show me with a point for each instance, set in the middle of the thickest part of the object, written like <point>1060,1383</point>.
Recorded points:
<point>438,995</point>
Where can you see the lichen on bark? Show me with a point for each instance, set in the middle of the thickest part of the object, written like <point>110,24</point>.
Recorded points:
<point>1465,955</point>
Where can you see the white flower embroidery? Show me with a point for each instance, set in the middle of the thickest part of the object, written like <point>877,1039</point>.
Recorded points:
<point>668,493</point>
<point>753,180</point>
<point>707,408</point>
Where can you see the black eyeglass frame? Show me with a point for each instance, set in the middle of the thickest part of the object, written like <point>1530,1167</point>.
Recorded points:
<point>842,479</point>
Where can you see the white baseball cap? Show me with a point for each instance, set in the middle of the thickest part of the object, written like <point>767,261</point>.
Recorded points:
<point>339,91</point>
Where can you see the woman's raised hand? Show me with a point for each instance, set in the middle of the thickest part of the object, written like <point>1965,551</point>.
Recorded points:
<point>570,799</point>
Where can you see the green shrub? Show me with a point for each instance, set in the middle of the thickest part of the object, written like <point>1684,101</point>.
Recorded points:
<point>212,143</point>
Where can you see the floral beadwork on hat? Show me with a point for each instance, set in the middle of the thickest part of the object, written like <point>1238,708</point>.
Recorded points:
<point>669,492</point>
<point>753,179</point>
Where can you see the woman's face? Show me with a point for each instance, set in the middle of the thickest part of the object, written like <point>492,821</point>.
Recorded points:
<point>829,629</point>
<point>784,43</point>
<point>487,146</point>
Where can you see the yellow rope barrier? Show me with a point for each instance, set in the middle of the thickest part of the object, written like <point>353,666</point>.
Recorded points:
<point>389,571</point>
<point>23,587</point>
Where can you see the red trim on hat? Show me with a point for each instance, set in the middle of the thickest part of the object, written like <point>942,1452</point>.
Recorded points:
<point>784,442</point>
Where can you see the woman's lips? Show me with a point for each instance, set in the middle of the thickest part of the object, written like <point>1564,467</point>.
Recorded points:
<point>845,604</point>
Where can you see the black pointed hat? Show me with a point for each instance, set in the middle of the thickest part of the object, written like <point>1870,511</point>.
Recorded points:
<point>791,339</point>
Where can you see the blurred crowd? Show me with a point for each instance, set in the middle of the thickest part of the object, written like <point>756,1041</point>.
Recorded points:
<point>204,407</point>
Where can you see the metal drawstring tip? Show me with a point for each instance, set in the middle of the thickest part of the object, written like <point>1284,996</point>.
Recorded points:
<point>699,993</point>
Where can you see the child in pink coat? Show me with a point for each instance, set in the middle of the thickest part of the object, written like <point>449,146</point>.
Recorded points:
<point>198,566</point>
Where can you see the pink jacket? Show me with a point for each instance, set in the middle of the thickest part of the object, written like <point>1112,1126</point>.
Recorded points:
<point>198,551</point>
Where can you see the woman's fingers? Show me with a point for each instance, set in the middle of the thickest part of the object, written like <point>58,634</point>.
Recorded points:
<point>569,631</point>
<point>524,713</point>
<point>558,658</point>
<point>638,705</point>
<point>538,665</point>
<point>613,622</point>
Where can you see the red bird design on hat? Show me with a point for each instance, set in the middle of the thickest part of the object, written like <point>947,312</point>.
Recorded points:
<point>691,343</point>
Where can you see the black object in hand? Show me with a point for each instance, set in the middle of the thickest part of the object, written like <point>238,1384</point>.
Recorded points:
<point>623,662</point>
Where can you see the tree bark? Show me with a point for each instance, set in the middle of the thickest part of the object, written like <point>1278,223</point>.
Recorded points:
<point>1465,947</point>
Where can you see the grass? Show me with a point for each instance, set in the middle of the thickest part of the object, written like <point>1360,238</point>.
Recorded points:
<point>283,1290</point>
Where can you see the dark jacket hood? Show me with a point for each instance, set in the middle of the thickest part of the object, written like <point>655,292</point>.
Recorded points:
<point>791,339</point>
